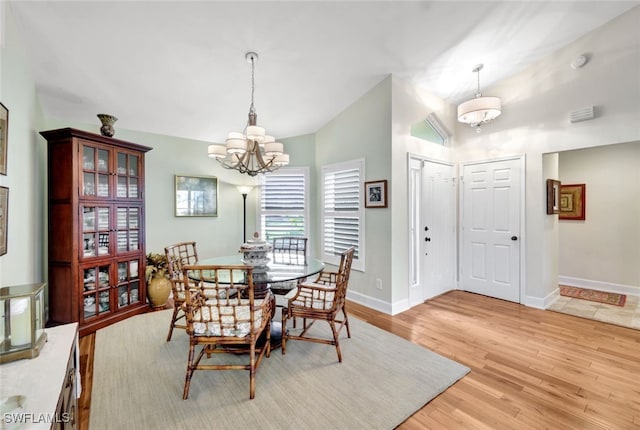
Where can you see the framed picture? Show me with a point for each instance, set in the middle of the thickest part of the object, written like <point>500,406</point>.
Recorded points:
<point>4,136</point>
<point>553,196</point>
<point>375,194</point>
<point>196,195</point>
<point>573,201</point>
<point>4,215</point>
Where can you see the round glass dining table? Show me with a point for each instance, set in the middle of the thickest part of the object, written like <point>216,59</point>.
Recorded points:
<point>274,271</point>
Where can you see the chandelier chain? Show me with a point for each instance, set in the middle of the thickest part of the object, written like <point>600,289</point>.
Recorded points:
<point>252,109</point>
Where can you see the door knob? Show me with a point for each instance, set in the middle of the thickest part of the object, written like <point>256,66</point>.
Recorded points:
<point>514,237</point>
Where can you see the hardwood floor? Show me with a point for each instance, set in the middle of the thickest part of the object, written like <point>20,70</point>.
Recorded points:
<point>530,369</point>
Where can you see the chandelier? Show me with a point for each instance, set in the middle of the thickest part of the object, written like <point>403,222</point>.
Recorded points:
<point>251,151</point>
<point>479,110</point>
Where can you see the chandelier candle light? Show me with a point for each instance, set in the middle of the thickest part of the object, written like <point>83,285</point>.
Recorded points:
<point>479,110</point>
<point>252,151</point>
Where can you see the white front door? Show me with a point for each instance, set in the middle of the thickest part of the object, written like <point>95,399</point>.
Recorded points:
<point>433,238</point>
<point>491,206</point>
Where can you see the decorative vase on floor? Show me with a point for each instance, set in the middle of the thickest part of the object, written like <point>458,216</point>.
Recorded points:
<point>107,124</point>
<point>158,290</point>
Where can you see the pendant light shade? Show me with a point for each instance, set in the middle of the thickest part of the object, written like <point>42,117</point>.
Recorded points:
<point>479,110</point>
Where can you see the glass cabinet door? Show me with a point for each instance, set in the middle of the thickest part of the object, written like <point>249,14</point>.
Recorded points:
<point>95,230</point>
<point>128,228</point>
<point>128,282</point>
<point>97,288</point>
<point>95,171</point>
<point>128,176</point>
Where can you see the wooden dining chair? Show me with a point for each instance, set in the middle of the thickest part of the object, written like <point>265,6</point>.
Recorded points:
<point>224,317</point>
<point>323,299</point>
<point>288,250</point>
<point>178,256</point>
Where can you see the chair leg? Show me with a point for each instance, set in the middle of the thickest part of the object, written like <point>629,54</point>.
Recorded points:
<point>176,309</point>
<point>190,368</point>
<point>252,371</point>
<point>346,321</point>
<point>335,340</point>
<point>283,344</point>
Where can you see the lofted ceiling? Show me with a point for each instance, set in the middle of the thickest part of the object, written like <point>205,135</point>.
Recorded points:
<point>178,67</point>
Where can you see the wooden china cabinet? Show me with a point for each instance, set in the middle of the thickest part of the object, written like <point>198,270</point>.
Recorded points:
<point>96,229</point>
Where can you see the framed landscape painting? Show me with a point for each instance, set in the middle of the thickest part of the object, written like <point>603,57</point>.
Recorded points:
<point>196,195</point>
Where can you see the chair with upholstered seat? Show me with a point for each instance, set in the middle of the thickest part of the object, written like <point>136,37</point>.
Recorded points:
<point>223,317</point>
<point>324,300</point>
<point>179,255</point>
<point>288,250</point>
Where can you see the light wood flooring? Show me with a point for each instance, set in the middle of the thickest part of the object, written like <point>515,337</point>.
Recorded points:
<point>530,369</point>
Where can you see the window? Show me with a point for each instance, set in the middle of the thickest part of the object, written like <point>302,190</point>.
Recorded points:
<point>431,129</point>
<point>283,203</point>
<point>342,211</point>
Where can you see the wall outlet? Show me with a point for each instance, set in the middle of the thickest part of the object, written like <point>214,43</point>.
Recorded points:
<point>379,283</point>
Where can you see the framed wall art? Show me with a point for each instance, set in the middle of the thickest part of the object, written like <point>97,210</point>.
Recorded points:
<point>4,216</point>
<point>553,196</point>
<point>375,194</point>
<point>196,195</point>
<point>4,136</point>
<point>573,201</point>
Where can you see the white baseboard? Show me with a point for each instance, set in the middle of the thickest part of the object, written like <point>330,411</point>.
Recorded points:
<point>544,302</point>
<point>382,306</point>
<point>370,302</point>
<point>608,287</point>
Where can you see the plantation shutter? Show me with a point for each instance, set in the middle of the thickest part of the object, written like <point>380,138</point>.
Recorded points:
<point>342,225</point>
<point>283,204</point>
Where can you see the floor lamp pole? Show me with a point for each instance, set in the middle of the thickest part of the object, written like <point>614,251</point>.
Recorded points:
<point>244,217</point>
<point>244,190</point>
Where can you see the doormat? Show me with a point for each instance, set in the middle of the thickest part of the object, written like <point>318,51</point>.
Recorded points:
<point>593,295</point>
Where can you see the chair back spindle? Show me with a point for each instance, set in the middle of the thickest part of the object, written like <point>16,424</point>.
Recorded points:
<point>178,256</point>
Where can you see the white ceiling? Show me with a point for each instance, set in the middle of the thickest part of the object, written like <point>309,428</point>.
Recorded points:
<point>178,67</point>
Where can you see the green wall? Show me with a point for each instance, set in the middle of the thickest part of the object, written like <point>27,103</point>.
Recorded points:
<point>363,131</point>
<point>26,164</point>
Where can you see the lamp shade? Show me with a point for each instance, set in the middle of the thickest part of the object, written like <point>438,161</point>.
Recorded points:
<point>273,148</point>
<point>236,146</point>
<point>255,132</point>
<point>479,110</point>
<point>217,151</point>
<point>281,160</point>
<point>244,189</point>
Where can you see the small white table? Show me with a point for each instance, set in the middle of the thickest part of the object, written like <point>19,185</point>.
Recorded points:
<point>41,380</point>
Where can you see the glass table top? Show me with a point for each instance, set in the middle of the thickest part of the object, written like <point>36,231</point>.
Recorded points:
<point>273,271</point>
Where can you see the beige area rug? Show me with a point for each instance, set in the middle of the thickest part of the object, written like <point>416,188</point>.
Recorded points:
<point>383,379</point>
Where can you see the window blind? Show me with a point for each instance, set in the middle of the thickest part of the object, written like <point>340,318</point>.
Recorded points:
<point>342,223</point>
<point>283,204</point>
